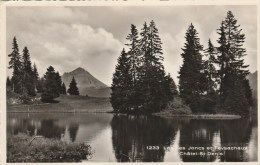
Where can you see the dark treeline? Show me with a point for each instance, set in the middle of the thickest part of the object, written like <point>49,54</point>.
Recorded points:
<point>216,81</point>
<point>211,80</point>
<point>140,82</point>
<point>25,80</point>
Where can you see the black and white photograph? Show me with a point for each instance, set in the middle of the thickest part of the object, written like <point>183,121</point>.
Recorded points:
<point>131,83</point>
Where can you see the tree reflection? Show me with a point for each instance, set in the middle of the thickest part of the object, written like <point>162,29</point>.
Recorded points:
<point>73,129</point>
<point>235,133</point>
<point>197,133</point>
<point>131,135</point>
<point>50,130</point>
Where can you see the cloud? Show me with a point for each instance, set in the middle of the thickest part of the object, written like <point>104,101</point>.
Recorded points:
<point>67,46</point>
<point>93,37</point>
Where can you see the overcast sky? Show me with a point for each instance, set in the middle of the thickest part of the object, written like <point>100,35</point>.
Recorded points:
<point>93,37</point>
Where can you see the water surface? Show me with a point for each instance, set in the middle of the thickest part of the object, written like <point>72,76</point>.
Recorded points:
<point>124,138</point>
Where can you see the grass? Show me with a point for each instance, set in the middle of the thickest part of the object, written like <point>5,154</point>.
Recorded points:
<point>21,148</point>
<point>203,116</point>
<point>85,104</point>
<point>68,104</point>
<point>177,108</point>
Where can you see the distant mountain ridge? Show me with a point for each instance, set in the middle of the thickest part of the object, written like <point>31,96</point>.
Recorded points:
<point>86,83</point>
<point>252,77</point>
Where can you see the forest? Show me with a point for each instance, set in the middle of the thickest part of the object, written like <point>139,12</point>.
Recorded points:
<point>211,79</point>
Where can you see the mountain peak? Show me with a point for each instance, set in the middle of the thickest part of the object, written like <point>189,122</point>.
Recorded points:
<point>79,69</point>
<point>84,79</point>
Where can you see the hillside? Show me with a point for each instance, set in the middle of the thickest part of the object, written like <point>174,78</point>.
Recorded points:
<point>252,77</point>
<point>87,83</point>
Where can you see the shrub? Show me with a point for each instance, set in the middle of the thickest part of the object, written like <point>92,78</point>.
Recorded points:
<point>19,149</point>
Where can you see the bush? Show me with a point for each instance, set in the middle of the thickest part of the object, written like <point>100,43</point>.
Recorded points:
<point>207,105</point>
<point>176,107</point>
<point>19,149</point>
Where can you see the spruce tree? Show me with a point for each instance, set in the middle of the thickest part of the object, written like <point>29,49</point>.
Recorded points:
<point>234,90</point>
<point>121,84</point>
<point>209,69</point>
<point>191,77</point>
<point>133,53</point>
<point>64,90</point>
<point>28,75</point>
<point>134,59</point>
<point>35,76</point>
<point>73,89</point>
<point>8,83</point>
<point>50,87</point>
<point>16,64</point>
<point>59,82</point>
<point>222,58</point>
<point>154,83</point>
<point>40,85</point>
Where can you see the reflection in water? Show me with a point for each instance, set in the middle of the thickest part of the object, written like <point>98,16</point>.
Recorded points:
<point>236,133</point>
<point>131,135</point>
<point>73,129</point>
<point>126,138</point>
<point>197,133</point>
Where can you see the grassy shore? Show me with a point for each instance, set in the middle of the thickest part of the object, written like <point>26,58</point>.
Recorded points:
<point>24,148</point>
<point>201,116</point>
<point>66,104</point>
<point>177,109</point>
<point>84,104</point>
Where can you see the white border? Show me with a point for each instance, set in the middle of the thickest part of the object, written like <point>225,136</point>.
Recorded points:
<point>3,64</point>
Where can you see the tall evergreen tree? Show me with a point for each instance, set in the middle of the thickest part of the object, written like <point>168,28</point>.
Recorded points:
<point>191,77</point>
<point>64,90</point>
<point>28,75</point>
<point>73,89</point>
<point>59,82</point>
<point>154,84</point>
<point>122,84</point>
<point>35,76</point>
<point>8,83</point>
<point>40,85</point>
<point>50,87</point>
<point>222,58</point>
<point>233,87</point>
<point>16,64</point>
<point>151,89</point>
<point>133,53</point>
<point>209,69</point>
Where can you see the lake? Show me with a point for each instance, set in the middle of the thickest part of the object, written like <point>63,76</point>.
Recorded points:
<point>123,138</point>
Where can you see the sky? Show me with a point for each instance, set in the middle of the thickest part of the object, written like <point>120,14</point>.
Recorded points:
<point>92,37</point>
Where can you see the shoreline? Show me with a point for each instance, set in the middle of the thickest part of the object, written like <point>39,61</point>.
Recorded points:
<point>190,116</point>
<point>202,116</point>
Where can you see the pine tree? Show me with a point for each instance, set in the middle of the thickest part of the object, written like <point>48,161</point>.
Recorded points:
<point>191,77</point>
<point>16,64</point>
<point>122,84</point>
<point>59,82</point>
<point>28,75</point>
<point>64,90</point>
<point>40,85</point>
<point>133,53</point>
<point>35,77</point>
<point>73,89</point>
<point>150,90</point>
<point>209,69</point>
<point>8,83</point>
<point>154,84</point>
<point>50,87</point>
<point>233,71</point>
<point>222,58</point>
